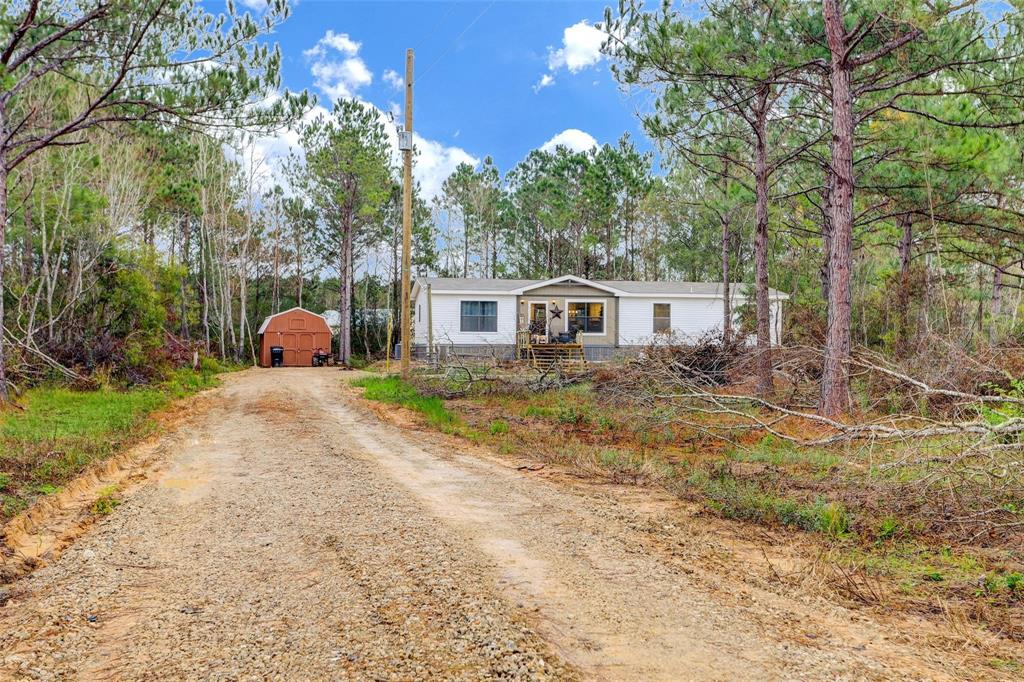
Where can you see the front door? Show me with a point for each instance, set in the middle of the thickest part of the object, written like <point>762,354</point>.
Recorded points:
<point>539,318</point>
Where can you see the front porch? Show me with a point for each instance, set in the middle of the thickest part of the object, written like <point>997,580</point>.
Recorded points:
<point>542,350</point>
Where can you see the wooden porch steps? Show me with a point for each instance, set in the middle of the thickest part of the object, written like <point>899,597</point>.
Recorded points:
<point>544,355</point>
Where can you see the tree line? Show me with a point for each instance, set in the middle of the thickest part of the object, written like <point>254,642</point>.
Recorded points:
<point>862,157</point>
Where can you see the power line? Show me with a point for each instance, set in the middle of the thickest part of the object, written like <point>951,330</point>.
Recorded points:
<point>457,38</point>
<point>433,29</point>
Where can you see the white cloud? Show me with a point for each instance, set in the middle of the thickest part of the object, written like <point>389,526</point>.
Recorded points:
<point>338,78</point>
<point>545,80</point>
<point>581,47</point>
<point>435,162</point>
<point>341,79</point>
<point>573,138</point>
<point>392,78</point>
<point>339,42</point>
<point>258,5</point>
<point>266,156</point>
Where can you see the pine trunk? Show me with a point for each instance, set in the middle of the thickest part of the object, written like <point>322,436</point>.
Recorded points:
<point>26,240</point>
<point>345,306</point>
<point>185,240</point>
<point>726,289</point>
<point>903,295</point>
<point>765,385</point>
<point>997,304</point>
<point>4,395</point>
<point>835,379</point>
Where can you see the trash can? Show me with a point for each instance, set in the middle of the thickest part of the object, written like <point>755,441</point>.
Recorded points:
<point>276,356</point>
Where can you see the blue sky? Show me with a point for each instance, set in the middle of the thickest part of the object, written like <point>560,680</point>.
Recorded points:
<point>492,78</point>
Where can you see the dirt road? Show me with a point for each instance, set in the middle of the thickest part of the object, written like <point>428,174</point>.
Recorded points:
<point>291,534</point>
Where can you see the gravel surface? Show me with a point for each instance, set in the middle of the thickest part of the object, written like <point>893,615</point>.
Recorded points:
<point>293,535</point>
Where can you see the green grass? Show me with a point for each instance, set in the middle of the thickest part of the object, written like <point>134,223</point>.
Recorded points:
<point>393,390</point>
<point>61,431</point>
<point>56,413</point>
<point>740,499</point>
<point>779,453</point>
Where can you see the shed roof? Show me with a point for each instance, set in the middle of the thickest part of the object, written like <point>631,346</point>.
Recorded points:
<point>266,322</point>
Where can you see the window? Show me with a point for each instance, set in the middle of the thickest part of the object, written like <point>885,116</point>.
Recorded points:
<point>419,313</point>
<point>662,318</point>
<point>479,316</point>
<point>586,316</point>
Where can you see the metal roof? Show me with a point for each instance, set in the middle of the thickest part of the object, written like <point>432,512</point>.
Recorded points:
<point>266,321</point>
<point>510,286</point>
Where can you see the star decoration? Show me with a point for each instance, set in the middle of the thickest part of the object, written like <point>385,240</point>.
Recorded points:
<point>556,314</point>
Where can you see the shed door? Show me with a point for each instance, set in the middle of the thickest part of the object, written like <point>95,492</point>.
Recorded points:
<point>305,353</point>
<point>290,347</point>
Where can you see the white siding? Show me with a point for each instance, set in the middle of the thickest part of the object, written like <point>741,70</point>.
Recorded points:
<point>691,317</point>
<point>448,319</point>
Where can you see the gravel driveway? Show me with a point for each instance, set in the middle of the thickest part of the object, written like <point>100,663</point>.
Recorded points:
<point>293,535</point>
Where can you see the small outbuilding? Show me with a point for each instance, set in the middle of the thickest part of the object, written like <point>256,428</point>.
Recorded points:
<point>298,334</point>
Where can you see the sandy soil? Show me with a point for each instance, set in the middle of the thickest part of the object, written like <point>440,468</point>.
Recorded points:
<point>291,534</point>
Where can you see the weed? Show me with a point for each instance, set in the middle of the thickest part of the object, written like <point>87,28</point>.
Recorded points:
<point>887,529</point>
<point>538,411</point>
<point>573,414</point>
<point>11,505</point>
<point>777,452</point>
<point>106,502</point>
<point>1004,664</point>
<point>996,583</point>
<point>734,498</point>
<point>498,427</point>
<point>5,481</point>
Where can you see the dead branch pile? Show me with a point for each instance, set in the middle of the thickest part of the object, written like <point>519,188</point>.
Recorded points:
<point>961,466</point>
<point>706,361</point>
<point>458,376</point>
<point>939,377</point>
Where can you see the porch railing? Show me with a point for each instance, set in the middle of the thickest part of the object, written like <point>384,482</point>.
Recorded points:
<point>524,339</point>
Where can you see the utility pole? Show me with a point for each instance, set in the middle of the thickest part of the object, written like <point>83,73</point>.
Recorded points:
<point>405,144</point>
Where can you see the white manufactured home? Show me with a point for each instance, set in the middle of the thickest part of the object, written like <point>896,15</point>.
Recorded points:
<point>479,316</point>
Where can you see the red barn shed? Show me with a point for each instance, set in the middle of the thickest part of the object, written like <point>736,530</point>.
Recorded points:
<point>298,332</point>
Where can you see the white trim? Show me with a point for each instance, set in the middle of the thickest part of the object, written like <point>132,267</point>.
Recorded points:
<point>568,278</point>
<point>477,300</point>
<point>591,299</point>
<point>474,292</point>
<point>515,292</point>
<point>736,293</point>
<point>529,315</point>
<point>654,317</point>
